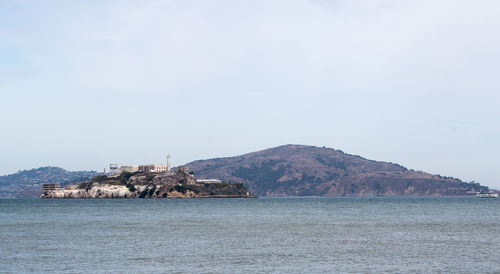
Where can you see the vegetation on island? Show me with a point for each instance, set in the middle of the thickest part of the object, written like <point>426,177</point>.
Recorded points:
<point>296,170</point>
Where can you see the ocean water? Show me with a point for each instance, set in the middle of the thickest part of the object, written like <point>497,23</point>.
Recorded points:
<point>283,235</point>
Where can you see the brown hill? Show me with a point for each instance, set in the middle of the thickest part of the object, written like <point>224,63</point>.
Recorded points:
<point>296,170</point>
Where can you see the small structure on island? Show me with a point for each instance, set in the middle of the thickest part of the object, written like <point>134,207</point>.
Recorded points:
<point>113,168</point>
<point>208,181</point>
<point>153,168</point>
<point>51,187</point>
<point>130,169</point>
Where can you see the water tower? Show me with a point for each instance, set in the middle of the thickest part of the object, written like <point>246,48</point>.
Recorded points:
<point>113,168</point>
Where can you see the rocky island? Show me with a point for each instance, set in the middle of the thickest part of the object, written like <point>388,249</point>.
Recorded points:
<point>175,184</point>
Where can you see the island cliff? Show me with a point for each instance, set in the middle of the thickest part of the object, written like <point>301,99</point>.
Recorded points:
<point>178,184</point>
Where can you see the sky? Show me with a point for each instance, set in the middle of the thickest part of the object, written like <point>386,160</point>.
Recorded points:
<point>88,83</point>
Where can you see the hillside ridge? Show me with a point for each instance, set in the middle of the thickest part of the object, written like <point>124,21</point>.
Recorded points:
<point>299,170</point>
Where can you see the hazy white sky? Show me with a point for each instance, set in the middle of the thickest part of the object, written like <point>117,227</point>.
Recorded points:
<point>86,83</point>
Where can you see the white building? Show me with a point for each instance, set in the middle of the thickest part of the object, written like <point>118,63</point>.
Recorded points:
<point>128,169</point>
<point>208,181</point>
<point>154,168</point>
<point>144,168</point>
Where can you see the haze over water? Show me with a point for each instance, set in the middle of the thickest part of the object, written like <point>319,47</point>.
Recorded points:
<point>447,234</point>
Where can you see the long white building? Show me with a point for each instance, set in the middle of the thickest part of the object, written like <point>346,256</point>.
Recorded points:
<point>144,168</point>
<point>208,181</point>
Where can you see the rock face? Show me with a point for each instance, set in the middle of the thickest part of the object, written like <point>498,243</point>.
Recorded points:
<point>112,191</point>
<point>295,170</point>
<point>178,184</point>
<point>97,191</point>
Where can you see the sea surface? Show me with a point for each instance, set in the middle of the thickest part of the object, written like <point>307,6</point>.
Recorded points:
<point>264,235</point>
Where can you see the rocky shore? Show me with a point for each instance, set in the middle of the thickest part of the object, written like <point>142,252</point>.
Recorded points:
<point>178,184</point>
